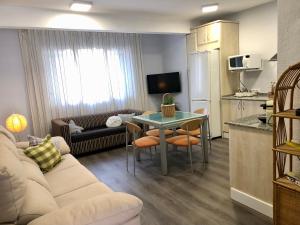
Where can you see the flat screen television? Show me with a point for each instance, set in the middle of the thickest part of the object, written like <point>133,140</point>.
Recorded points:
<point>163,83</point>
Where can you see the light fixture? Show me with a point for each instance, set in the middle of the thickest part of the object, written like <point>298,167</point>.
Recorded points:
<point>210,8</point>
<point>81,6</point>
<point>16,123</point>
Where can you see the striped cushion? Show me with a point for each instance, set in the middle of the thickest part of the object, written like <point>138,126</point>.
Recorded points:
<point>44,154</point>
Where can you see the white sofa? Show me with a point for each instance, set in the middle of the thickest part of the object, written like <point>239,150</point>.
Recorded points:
<point>68,195</point>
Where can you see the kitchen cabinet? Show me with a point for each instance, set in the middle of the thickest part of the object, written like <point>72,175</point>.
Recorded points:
<point>244,108</point>
<point>209,36</point>
<point>224,36</point>
<point>191,42</point>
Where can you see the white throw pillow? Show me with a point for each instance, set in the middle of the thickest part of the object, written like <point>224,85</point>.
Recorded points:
<point>126,117</point>
<point>34,141</point>
<point>74,128</point>
<point>114,121</point>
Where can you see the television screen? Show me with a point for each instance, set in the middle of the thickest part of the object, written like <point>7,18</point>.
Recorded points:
<point>163,83</point>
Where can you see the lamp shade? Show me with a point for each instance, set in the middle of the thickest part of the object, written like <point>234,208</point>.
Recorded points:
<point>16,123</point>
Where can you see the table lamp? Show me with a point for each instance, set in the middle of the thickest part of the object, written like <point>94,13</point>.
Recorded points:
<point>16,123</point>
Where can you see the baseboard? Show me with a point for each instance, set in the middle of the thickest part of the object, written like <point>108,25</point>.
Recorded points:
<point>252,202</point>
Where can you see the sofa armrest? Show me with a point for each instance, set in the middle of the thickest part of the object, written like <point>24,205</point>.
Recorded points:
<point>61,128</point>
<point>58,141</point>
<point>107,209</point>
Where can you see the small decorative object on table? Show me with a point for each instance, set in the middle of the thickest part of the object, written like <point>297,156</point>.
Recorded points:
<point>168,105</point>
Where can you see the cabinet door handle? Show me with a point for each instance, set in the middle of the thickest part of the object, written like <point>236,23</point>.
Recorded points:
<point>239,105</point>
<point>243,105</point>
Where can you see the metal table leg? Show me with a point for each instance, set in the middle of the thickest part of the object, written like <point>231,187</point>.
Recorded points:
<point>163,152</point>
<point>204,140</point>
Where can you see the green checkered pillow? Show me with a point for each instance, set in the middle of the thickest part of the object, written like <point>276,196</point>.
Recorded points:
<point>44,154</point>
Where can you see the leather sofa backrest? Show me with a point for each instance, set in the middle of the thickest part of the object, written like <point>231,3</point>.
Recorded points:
<point>97,120</point>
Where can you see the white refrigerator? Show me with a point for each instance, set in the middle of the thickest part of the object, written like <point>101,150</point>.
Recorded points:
<point>204,86</point>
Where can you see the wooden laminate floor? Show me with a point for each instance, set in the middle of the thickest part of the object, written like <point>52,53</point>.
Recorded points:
<point>182,197</point>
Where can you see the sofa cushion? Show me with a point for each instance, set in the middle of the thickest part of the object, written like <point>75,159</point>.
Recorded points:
<point>45,154</point>
<point>8,134</point>
<point>23,157</point>
<point>68,161</point>
<point>96,133</point>
<point>114,121</point>
<point>69,179</point>
<point>37,202</point>
<point>34,173</point>
<point>58,141</point>
<point>12,183</point>
<point>83,193</point>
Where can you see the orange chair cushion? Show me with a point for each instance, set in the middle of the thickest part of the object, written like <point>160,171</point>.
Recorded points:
<point>155,132</point>
<point>145,142</point>
<point>196,132</point>
<point>182,140</point>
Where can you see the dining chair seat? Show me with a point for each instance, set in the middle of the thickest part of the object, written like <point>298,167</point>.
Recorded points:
<point>155,132</point>
<point>145,142</point>
<point>183,140</point>
<point>195,133</point>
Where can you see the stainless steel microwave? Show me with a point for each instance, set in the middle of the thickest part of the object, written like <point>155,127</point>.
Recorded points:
<point>245,62</point>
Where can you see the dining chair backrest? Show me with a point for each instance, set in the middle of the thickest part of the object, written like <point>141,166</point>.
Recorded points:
<point>192,124</point>
<point>148,112</point>
<point>201,111</point>
<point>133,128</point>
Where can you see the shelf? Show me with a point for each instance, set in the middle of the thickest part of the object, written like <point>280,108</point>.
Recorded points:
<point>287,149</point>
<point>287,114</point>
<point>286,183</point>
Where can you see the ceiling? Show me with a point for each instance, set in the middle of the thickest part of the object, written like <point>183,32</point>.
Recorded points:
<point>180,9</point>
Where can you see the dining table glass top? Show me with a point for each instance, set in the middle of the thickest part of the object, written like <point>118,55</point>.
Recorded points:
<point>159,119</point>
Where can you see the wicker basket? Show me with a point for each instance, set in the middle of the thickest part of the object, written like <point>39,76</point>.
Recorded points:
<point>167,110</point>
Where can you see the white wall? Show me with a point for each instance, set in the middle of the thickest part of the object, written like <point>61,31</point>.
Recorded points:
<point>161,53</point>
<point>166,53</point>
<point>258,34</point>
<point>175,60</point>
<point>152,57</point>
<point>23,17</point>
<point>12,79</point>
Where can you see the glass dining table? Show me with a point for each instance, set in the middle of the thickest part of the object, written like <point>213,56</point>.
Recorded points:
<point>162,123</point>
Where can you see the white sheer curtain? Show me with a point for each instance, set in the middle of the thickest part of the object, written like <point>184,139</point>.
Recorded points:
<point>77,73</point>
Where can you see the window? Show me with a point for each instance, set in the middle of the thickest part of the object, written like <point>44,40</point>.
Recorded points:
<point>90,76</point>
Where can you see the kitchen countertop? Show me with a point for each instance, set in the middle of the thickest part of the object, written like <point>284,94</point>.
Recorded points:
<point>252,122</point>
<point>259,97</point>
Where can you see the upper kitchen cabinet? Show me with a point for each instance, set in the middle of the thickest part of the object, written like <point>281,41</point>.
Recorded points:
<point>222,35</point>
<point>209,36</point>
<point>191,41</point>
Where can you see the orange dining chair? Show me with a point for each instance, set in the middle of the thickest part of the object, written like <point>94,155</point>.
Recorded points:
<point>138,143</point>
<point>187,140</point>
<point>155,132</point>
<point>197,132</point>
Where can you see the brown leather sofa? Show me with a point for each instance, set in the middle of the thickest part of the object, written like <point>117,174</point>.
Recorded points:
<point>95,136</point>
